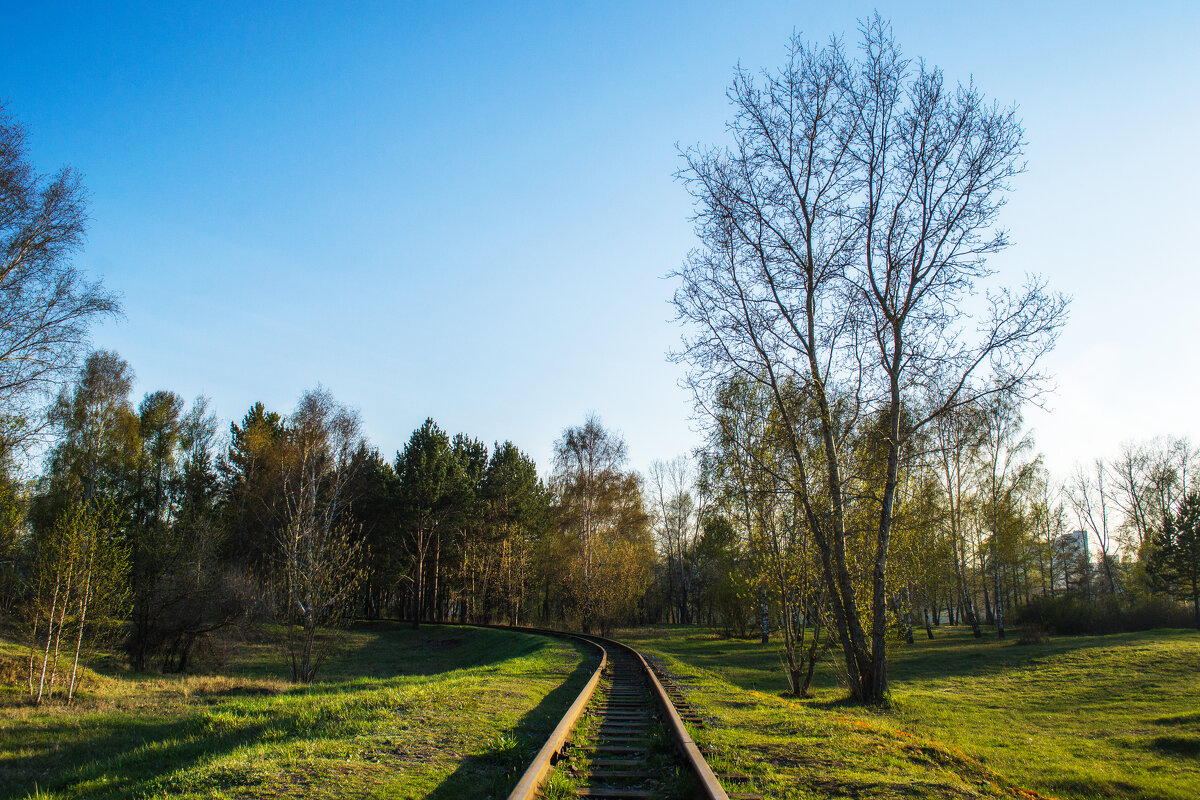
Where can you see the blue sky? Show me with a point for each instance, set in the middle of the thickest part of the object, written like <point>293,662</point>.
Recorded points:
<point>466,211</point>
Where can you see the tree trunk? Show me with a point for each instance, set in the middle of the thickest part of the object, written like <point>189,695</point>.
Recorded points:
<point>84,599</point>
<point>418,587</point>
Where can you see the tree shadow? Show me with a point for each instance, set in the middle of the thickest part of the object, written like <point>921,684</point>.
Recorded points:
<point>126,753</point>
<point>398,649</point>
<point>495,772</point>
<point>162,747</point>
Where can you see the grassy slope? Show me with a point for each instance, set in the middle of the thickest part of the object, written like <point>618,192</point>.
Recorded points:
<point>1076,717</point>
<point>444,712</point>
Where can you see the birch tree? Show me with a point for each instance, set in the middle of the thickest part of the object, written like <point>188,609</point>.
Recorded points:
<point>80,589</point>
<point>603,526</point>
<point>321,561</point>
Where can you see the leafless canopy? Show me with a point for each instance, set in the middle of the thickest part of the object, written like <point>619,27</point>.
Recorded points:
<point>844,234</point>
<point>46,304</point>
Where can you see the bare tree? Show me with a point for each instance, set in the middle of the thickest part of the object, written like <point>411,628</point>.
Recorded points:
<point>678,512</point>
<point>1091,497</point>
<point>46,303</point>
<point>1148,481</point>
<point>321,559</point>
<point>843,233</point>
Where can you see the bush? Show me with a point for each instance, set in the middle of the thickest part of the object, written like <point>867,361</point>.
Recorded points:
<point>1032,633</point>
<point>1073,615</point>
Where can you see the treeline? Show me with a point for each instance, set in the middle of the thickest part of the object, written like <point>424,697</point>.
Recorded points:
<point>151,529</point>
<point>982,534</point>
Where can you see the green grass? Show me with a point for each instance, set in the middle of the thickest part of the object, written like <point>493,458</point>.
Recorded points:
<point>443,712</point>
<point>1074,717</point>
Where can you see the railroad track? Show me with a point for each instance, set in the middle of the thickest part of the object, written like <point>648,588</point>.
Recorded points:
<point>624,737</point>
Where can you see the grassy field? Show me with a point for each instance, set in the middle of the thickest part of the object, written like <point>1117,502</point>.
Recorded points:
<point>1074,717</point>
<point>443,712</point>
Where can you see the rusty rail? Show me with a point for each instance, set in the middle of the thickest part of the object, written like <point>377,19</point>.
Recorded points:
<point>532,780</point>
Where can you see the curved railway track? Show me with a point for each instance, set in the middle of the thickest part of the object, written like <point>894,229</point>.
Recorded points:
<point>623,737</point>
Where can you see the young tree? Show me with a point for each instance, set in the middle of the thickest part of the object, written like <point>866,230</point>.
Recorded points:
<point>841,233</point>
<point>320,560</point>
<point>80,586</point>
<point>751,474</point>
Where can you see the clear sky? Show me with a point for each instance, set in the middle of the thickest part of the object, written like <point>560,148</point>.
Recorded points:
<point>466,211</point>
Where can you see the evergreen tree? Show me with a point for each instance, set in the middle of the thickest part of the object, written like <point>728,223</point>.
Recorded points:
<point>1175,556</point>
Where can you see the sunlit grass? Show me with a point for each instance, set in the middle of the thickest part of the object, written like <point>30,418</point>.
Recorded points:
<point>1075,717</point>
<point>441,712</point>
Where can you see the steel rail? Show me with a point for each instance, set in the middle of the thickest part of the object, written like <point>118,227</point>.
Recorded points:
<point>708,787</point>
<point>527,788</point>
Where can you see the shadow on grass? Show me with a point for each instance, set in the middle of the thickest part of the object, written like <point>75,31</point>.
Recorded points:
<point>383,648</point>
<point>107,764</point>
<point>954,652</point>
<point>127,753</point>
<point>495,772</point>
<point>1188,746</point>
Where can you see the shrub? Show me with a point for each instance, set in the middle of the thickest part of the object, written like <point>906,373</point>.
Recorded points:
<point>1072,615</point>
<point>1032,633</point>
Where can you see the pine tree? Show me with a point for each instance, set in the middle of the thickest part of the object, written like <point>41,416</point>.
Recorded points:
<point>1175,560</point>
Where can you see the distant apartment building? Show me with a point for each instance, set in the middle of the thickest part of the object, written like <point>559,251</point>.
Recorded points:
<point>1071,565</point>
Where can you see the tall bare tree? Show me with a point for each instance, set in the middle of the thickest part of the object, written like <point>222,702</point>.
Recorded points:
<point>46,302</point>
<point>678,512</point>
<point>843,233</point>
